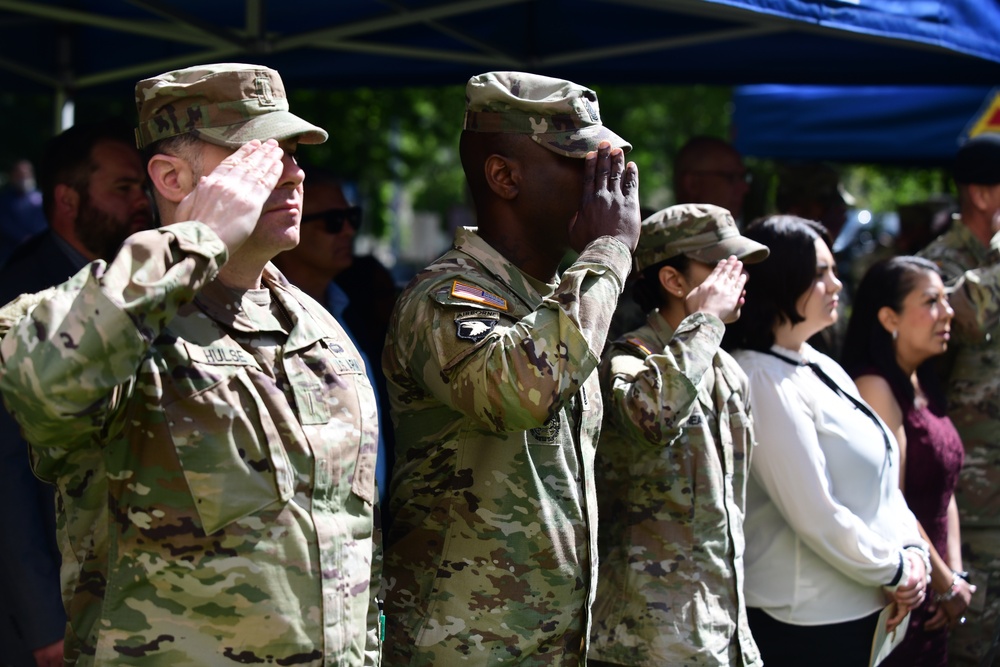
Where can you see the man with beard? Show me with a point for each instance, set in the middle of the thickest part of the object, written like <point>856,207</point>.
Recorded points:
<point>94,197</point>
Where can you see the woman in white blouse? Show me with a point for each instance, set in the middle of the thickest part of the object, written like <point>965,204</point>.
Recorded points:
<point>830,540</point>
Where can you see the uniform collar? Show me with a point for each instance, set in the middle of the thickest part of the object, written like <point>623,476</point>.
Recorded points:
<point>469,242</point>
<point>225,306</point>
<point>968,240</point>
<point>660,326</point>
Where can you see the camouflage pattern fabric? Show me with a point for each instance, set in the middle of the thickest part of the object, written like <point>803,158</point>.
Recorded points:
<point>215,464</point>
<point>491,556</point>
<point>972,387</point>
<point>226,104</point>
<point>973,378</point>
<point>971,642</point>
<point>671,481</point>
<point>703,232</point>
<point>561,116</point>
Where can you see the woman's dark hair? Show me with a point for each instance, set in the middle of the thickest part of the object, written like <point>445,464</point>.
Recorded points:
<point>646,288</point>
<point>867,345</point>
<point>776,284</point>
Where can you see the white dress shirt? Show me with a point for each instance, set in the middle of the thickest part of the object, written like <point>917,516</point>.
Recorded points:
<point>826,522</point>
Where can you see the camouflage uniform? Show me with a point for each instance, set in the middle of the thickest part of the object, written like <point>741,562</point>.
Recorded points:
<point>672,470</point>
<point>491,559</point>
<point>973,387</point>
<point>233,444</point>
<point>672,465</point>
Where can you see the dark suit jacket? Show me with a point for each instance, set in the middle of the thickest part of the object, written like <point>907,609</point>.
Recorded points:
<point>31,610</point>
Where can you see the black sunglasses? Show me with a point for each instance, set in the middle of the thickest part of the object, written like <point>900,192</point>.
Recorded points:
<point>335,218</point>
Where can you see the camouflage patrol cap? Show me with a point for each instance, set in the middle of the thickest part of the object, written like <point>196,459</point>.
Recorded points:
<point>559,115</point>
<point>703,232</point>
<point>226,104</point>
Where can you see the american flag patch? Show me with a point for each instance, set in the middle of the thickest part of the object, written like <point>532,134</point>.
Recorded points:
<point>471,293</point>
<point>639,344</point>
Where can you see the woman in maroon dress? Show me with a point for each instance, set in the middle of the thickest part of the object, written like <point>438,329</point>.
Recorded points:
<point>901,320</point>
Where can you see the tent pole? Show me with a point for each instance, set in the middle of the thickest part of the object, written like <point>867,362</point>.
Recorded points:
<point>65,90</point>
<point>65,111</point>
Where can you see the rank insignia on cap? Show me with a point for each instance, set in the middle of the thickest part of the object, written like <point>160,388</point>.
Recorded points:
<point>460,290</point>
<point>475,325</point>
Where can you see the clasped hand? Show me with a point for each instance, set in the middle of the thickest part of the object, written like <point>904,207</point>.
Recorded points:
<point>909,594</point>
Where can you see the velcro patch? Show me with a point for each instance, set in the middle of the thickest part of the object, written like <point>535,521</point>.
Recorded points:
<point>219,355</point>
<point>476,325</point>
<point>548,433</point>
<point>460,290</point>
<point>344,360</point>
<point>636,342</point>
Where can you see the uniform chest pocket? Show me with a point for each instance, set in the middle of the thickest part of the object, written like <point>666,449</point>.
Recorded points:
<point>335,400</point>
<point>227,444</point>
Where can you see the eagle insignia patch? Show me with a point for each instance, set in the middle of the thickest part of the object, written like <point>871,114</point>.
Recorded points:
<point>475,325</point>
<point>548,433</point>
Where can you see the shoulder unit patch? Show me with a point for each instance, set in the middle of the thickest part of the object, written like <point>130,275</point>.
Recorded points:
<point>460,290</point>
<point>476,325</point>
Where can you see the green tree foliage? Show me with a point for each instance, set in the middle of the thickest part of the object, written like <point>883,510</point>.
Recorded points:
<point>884,188</point>
<point>391,141</point>
<point>410,136</point>
<point>386,139</point>
<point>658,120</point>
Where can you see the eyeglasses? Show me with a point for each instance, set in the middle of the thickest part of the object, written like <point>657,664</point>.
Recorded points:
<point>733,177</point>
<point>336,218</point>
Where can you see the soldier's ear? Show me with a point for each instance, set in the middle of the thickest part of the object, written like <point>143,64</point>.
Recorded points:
<point>503,175</point>
<point>171,176</point>
<point>983,197</point>
<point>672,281</point>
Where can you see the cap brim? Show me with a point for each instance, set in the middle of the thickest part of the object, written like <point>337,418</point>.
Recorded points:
<point>577,143</point>
<point>746,250</point>
<point>277,125</point>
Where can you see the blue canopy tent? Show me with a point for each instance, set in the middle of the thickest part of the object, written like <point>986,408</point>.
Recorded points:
<point>897,124</point>
<point>72,46</point>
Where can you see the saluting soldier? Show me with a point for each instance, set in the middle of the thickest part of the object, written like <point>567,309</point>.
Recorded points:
<point>490,363</point>
<point>223,414</point>
<point>675,455</point>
